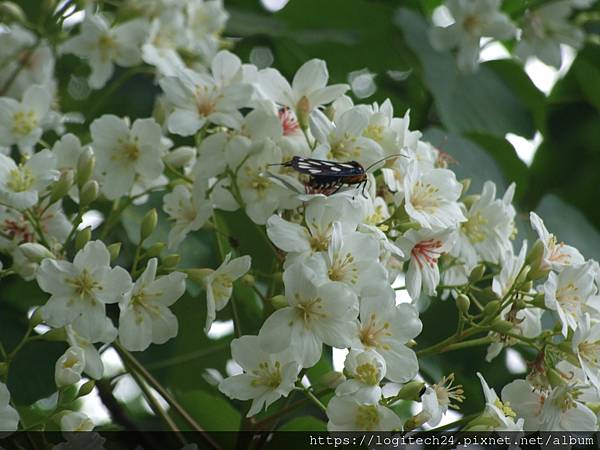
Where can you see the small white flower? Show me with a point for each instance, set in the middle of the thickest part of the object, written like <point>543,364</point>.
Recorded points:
<point>219,285</point>
<point>188,208</point>
<point>22,123</point>
<point>199,98</point>
<point>124,154</point>
<point>439,397</point>
<point>308,90</point>
<point>511,268</point>
<point>472,21</point>
<point>424,248</point>
<point>266,378</point>
<point>69,367</point>
<point>556,255</point>
<point>501,414</point>
<point>526,322</point>
<point>586,345</point>
<point>21,185</point>
<point>431,197</point>
<point>104,46</point>
<point>145,315</point>
<point>566,293</point>
<point>85,341</point>
<point>386,328</point>
<point>348,413</point>
<point>317,314</point>
<point>80,290</point>
<point>365,370</point>
<point>9,417</point>
<point>75,421</point>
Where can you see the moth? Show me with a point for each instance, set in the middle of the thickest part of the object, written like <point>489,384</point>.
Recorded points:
<point>328,177</point>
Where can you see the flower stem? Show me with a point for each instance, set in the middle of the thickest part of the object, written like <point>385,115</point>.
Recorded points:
<point>312,397</point>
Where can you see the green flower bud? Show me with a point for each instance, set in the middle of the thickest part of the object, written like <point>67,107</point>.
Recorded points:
<point>485,295</point>
<point>477,273</point>
<point>171,260</point>
<point>501,325</point>
<point>538,273</point>
<point>148,224</point>
<point>415,421</point>
<point>413,390</point>
<point>85,166</point>
<point>198,276</point>
<point>35,252</point>
<point>303,112</point>
<point>55,335</point>
<point>491,308</point>
<point>279,301</point>
<point>535,255</point>
<point>463,303</point>
<point>466,184</point>
<point>332,379</point>
<point>539,300</point>
<point>114,250</point>
<point>483,422</point>
<point>248,280</point>
<point>180,156</point>
<point>86,388</point>
<point>88,192</point>
<point>594,406</point>
<point>62,186</point>
<point>527,286</point>
<point>67,394</point>
<point>83,237</point>
<point>155,249</point>
<point>523,275</point>
<point>555,378</point>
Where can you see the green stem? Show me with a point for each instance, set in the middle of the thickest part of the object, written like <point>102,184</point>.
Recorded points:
<point>314,399</point>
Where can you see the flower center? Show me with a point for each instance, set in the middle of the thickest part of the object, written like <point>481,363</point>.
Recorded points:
<point>569,297</point>
<point>424,197</point>
<point>205,101</point>
<point>590,351</point>
<point>343,269</point>
<point>267,375</point>
<point>427,252</point>
<point>70,362</point>
<point>372,333</point>
<point>367,417</point>
<point>84,285</point>
<point>474,228</point>
<point>20,231</point>
<point>24,122</point>
<point>107,45</point>
<point>344,149</point>
<point>472,24</point>
<point>446,392</point>
<point>309,310</point>
<point>374,132</point>
<point>222,286</point>
<point>128,151</point>
<point>368,374</point>
<point>288,122</point>
<point>505,408</point>
<point>20,179</point>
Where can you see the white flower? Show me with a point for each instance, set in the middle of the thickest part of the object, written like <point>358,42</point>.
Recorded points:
<point>365,370</point>
<point>486,234</point>
<point>79,290</point>
<point>9,417</point>
<point>439,397</point>
<point>308,90</point>
<point>75,421</point>
<point>104,46</point>
<point>348,413</point>
<point>124,154</point>
<point>511,268</point>
<point>344,140</point>
<point>69,367</point>
<point>566,293</point>
<point>219,285</point>
<point>526,322</point>
<point>556,255</point>
<point>586,345</point>
<point>472,21</point>
<point>67,149</point>
<point>145,315</point>
<point>558,410</point>
<point>22,123</point>
<point>266,378</point>
<point>545,28</point>
<point>431,197</point>
<point>424,248</point>
<point>386,328</point>
<point>199,98</point>
<point>188,208</point>
<point>316,314</point>
<point>500,414</point>
<point>85,341</point>
<point>20,185</point>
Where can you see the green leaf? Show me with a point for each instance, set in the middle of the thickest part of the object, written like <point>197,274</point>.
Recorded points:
<point>587,72</point>
<point>479,102</point>
<point>31,374</point>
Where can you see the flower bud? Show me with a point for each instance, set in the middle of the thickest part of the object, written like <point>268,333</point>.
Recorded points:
<point>483,422</point>
<point>10,11</point>
<point>501,325</point>
<point>463,303</point>
<point>303,112</point>
<point>88,192</point>
<point>332,379</point>
<point>55,335</point>
<point>477,273</point>
<point>527,286</point>
<point>279,301</point>
<point>485,295</point>
<point>413,390</point>
<point>538,273</point>
<point>62,186</point>
<point>555,378</point>
<point>594,406</point>
<point>35,252</point>
<point>180,156</point>
<point>86,388</point>
<point>535,255</point>
<point>523,275</point>
<point>198,276</point>
<point>491,308</point>
<point>75,421</point>
<point>171,260</point>
<point>416,421</point>
<point>67,394</point>
<point>114,250</point>
<point>69,367</point>
<point>155,249</point>
<point>539,300</point>
<point>83,237</point>
<point>148,224</point>
<point>248,280</point>
<point>85,166</point>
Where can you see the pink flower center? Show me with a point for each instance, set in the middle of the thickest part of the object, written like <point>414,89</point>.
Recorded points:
<point>288,121</point>
<point>427,252</point>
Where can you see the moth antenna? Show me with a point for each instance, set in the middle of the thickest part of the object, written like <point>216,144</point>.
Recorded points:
<point>383,159</point>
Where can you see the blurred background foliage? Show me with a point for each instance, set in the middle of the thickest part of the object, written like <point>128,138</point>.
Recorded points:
<point>381,48</point>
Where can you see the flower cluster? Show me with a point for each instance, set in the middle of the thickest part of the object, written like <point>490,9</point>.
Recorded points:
<point>340,256</point>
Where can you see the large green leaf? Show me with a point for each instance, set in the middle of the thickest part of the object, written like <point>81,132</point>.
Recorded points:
<point>479,102</point>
